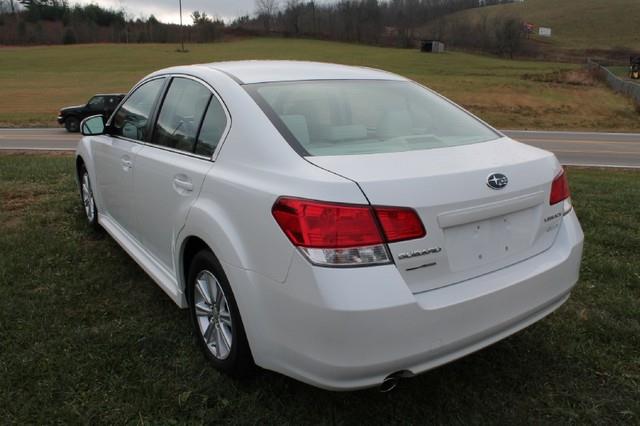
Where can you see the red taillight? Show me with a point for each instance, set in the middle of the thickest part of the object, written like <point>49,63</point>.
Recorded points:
<point>345,234</point>
<point>316,224</point>
<point>400,223</point>
<point>559,188</point>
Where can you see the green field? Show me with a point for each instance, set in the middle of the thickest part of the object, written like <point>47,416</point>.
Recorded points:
<point>87,337</point>
<point>36,81</point>
<point>576,24</point>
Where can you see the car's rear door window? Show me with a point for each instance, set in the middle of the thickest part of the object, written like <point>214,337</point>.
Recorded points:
<point>213,127</point>
<point>181,113</point>
<point>132,118</point>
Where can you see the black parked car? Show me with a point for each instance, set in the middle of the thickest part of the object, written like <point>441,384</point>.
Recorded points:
<point>103,104</point>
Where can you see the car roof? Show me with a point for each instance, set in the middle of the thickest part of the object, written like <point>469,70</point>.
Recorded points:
<point>110,94</point>
<point>248,72</point>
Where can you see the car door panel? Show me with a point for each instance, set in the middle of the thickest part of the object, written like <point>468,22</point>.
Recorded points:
<point>169,172</point>
<point>115,153</point>
<point>114,166</point>
<point>167,184</point>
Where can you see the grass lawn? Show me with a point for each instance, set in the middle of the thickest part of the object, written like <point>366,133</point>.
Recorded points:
<point>36,81</point>
<point>88,338</point>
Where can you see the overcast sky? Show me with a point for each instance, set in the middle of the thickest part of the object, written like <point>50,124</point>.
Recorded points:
<point>167,10</point>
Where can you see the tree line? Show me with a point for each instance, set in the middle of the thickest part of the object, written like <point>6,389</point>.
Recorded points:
<point>362,21</point>
<point>401,23</point>
<point>58,22</point>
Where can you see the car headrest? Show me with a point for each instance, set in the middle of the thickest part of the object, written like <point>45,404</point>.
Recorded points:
<point>351,131</point>
<point>393,124</point>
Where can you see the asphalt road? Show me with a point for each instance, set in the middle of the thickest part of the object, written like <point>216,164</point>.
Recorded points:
<point>38,139</point>
<point>586,148</point>
<point>572,148</point>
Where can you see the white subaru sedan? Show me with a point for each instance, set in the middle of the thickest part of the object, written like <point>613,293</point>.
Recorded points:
<point>344,226</point>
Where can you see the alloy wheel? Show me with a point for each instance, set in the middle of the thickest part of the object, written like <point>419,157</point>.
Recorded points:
<point>87,197</point>
<point>213,315</point>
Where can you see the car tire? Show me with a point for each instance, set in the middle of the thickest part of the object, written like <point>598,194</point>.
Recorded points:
<point>87,198</point>
<point>216,319</point>
<point>72,124</point>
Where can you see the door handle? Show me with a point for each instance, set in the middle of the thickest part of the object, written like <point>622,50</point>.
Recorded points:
<point>126,164</point>
<point>183,183</point>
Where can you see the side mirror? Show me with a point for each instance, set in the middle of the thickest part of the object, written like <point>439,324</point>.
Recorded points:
<point>92,126</point>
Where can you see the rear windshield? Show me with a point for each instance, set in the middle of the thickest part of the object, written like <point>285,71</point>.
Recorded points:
<point>346,117</point>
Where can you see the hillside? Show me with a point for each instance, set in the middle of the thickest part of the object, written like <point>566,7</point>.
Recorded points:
<point>576,24</point>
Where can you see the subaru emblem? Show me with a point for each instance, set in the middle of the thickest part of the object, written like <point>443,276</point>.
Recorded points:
<point>497,181</point>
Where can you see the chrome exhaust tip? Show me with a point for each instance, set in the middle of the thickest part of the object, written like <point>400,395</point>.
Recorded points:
<point>389,383</point>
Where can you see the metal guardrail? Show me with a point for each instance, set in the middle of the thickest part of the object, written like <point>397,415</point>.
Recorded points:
<point>618,84</point>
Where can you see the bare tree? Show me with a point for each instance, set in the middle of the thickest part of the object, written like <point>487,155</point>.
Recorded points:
<point>127,17</point>
<point>207,28</point>
<point>509,36</point>
<point>266,10</point>
<point>292,15</point>
<point>200,18</point>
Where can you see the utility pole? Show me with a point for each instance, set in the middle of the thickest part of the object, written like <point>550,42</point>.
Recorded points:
<point>181,29</point>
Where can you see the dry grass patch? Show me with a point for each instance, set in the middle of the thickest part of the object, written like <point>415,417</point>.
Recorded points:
<point>578,77</point>
<point>12,222</point>
<point>16,204</point>
<point>19,201</point>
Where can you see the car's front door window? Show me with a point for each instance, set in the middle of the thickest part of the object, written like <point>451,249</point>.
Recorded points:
<point>132,118</point>
<point>181,113</point>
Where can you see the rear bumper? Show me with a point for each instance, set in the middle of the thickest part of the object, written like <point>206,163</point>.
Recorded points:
<point>60,119</point>
<point>344,329</point>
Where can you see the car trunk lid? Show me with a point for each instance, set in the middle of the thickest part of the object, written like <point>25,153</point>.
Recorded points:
<point>472,229</point>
